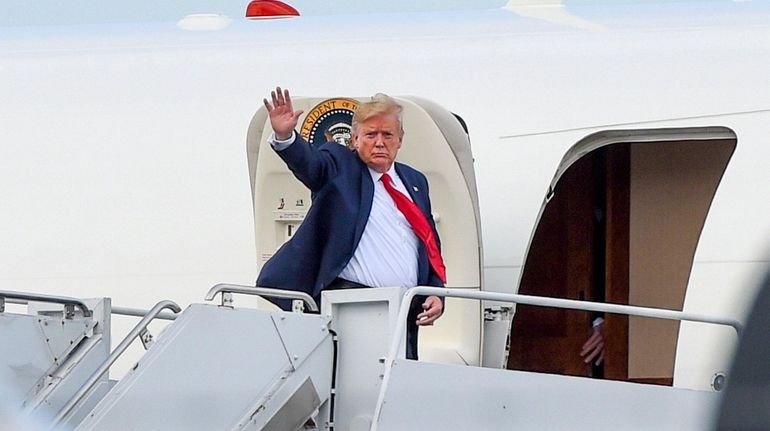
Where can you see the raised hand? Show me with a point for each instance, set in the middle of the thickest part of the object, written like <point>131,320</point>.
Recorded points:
<point>283,118</point>
<point>593,348</point>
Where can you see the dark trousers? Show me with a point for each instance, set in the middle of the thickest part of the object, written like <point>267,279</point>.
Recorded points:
<point>414,310</point>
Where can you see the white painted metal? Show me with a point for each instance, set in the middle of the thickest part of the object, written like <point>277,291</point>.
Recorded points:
<point>225,288</point>
<point>83,357</point>
<point>24,297</point>
<point>138,312</point>
<point>450,397</point>
<point>394,353</point>
<point>363,320</point>
<point>27,355</point>
<point>221,368</point>
<point>100,373</point>
<point>497,327</point>
<point>306,389</point>
<point>47,355</point>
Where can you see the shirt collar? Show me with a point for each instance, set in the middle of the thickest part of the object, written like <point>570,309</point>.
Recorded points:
<point>376,175</point>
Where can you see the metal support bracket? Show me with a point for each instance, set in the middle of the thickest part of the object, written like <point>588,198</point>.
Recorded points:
<point>227,299</point>
<point>498,312</point>
<point>146,338</point>
<point>297,306</point>
<point>69,311</point>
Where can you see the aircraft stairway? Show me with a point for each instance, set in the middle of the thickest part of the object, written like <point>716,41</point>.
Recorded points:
<point>452,397</point>
<point>220,367</point>
<point>52,349</point>
<point>227,368</point>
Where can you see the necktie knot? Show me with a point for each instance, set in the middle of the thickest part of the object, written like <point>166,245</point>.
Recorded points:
<point>385,178</point>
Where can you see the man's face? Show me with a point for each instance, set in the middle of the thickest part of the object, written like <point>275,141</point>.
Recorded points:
<point>377,141</point>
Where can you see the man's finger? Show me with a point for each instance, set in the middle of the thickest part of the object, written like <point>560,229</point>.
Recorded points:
<point>433,302</point>
<point>595,353</point>
<point>274,98</point>
<point>430,313</point>
<point>433,310</point>
<point>297,114</point>
<point>279,93</point>
<point>590,343</point>
<point>425,319</point>
<point>267,105</point>
<point>288,100</point>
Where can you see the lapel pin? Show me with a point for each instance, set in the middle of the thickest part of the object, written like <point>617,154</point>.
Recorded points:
<point>415,188</point>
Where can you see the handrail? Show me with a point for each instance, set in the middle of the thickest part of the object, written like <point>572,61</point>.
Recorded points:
<point>138,329</point>
<point>16,301</point>
<point>138,312</point>
<point>123,311</point>
<point>65,300</point>
<point>261,291</point>
<point>527,300</point>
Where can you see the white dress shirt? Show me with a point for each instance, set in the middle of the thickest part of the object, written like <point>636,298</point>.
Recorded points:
<point>387,254</point>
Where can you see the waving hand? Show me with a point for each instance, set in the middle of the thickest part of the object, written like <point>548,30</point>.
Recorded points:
<point>283,118</point>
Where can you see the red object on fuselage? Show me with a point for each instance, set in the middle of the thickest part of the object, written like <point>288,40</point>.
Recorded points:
<point>267,9</point>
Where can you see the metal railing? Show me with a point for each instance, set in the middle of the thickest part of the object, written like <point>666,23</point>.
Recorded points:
<point>138,312</point>
<point>123,311</point>
<point>138,329</point>
<point>224,289</point>
<point>527,300</point>
<point>69,303</point>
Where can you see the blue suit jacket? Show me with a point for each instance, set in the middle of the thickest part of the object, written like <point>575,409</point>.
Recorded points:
<point>342,193</point>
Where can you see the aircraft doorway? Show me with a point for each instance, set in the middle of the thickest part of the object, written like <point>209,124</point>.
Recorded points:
<point>620,224</point>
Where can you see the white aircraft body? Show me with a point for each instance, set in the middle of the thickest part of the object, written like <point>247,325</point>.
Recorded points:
<point>124,172</point>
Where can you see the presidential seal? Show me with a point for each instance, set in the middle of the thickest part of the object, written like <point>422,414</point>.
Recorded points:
<point>329,121</point>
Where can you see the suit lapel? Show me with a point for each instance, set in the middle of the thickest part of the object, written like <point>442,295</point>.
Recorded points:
<point>417,194</point>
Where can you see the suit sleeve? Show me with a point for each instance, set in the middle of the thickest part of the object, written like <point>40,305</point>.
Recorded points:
<point>313,166</point>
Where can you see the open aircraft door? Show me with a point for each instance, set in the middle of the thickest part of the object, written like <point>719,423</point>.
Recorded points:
<point>620,223</point>
<point>436,143</point>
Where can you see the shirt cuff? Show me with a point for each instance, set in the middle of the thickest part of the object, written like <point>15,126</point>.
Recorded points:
<point>280,145</point>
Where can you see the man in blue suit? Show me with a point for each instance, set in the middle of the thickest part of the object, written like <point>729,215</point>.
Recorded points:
<point>370,223</point>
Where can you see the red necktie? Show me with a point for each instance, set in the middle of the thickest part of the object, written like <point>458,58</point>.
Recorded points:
<point>420,226</point>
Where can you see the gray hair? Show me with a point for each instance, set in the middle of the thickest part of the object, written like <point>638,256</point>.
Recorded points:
<point>380,104</point>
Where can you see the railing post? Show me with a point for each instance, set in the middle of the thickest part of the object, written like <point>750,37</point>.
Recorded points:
<point>227,289</point>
